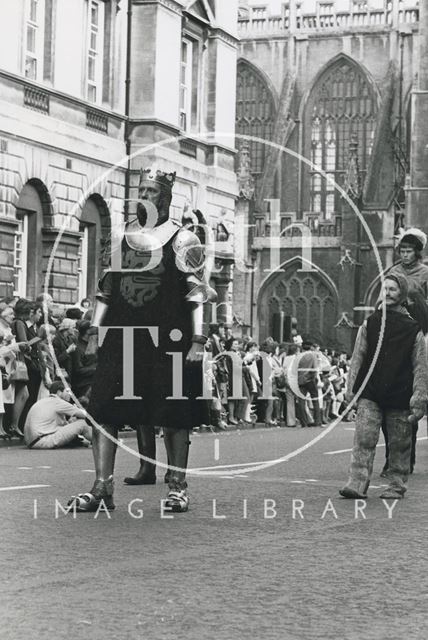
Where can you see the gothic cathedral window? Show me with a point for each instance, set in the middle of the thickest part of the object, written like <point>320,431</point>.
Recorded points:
<point>254,113</point>
<point>341,105</point>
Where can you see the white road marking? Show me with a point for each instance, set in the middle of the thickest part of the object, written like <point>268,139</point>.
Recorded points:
<point>332,453</point>
<point>381,444</point>
<point>226,466</point>
<point>28,486</point>
<point>88,470</point>
<point>44,467</point>
<point>297,481</point>
<point>26,468</point>
<point>311,480</point>
<point>349,428</point>
<point>216,449</point>
<point>240,476</point>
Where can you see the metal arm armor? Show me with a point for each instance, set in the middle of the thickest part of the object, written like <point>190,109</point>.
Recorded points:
<point>191,260</point>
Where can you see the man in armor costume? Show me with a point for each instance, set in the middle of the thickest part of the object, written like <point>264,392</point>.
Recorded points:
<point>163,285</point>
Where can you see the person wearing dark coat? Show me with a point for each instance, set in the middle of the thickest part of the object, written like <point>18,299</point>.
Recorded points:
<point>83,364</point>
<point>64,343</point>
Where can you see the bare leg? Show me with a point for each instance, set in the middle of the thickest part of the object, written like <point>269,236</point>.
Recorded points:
<point>21,397</point>
<point>3,433</point>
<point>232,419</point>
<point>146,474</point>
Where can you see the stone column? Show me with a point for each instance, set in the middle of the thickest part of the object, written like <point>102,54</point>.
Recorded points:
<point>418,189</point>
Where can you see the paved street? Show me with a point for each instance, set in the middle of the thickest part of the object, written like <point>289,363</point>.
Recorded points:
<point>197,576</point>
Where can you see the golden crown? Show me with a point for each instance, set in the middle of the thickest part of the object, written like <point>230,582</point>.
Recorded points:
<point>163,179</point>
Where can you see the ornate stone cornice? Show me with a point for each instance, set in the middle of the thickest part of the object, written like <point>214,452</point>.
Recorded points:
<point>224,36</point>
<point>172,5</point>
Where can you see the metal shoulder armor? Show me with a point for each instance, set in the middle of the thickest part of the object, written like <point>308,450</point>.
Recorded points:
<point>190,259</point>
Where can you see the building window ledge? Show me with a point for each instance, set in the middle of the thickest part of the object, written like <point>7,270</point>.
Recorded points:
<point>37,99</point>
<point>96,120</point>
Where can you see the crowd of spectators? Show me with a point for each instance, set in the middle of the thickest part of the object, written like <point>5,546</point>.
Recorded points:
<point>287,384</point>
<point>29,330</point>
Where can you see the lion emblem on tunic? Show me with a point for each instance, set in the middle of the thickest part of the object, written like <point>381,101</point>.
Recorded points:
<point>139,288</point>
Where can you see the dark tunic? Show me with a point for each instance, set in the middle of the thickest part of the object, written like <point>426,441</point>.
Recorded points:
<point>154,298</point>
<point>391,382</point>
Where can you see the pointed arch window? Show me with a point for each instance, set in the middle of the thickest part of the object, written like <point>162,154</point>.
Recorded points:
<point>254,113</point>
<point>341,105</point>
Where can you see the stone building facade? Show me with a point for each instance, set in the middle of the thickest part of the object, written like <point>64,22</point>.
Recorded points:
<point>333,82</point>
<point>182,115</point>
<point>91,91</point>
<point>62,124</point>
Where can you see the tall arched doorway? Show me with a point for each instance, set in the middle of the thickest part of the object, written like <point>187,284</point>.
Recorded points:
<point>95,226</point>
<point>33,212</point>
<point>307,296</point>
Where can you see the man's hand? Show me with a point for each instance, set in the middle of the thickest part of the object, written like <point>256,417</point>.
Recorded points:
<point>415,416</point>
<point>196,353</point>
<point>72,347</point>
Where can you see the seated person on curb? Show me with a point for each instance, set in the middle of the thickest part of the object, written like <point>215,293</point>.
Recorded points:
<point>47,425</point>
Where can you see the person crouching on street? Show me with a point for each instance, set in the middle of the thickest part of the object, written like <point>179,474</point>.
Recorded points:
<point>395,392</point>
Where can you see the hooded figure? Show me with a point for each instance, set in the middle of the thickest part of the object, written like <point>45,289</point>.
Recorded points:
<point>392,386</point>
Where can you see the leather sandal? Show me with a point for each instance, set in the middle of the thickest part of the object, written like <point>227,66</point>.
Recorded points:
<point>102,491</point>
<point>177,501</point>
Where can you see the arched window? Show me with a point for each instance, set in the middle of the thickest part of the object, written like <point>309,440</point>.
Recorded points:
<point>341,105</point>
<point>95,227</point>
<point>33,213</point>
<point>254,113</point>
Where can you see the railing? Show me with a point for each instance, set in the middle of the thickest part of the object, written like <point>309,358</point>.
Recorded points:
<point>36,99</point>
<point>328,19</point>
<point>409,15</point>
<point>188,148</point>
<point>289,226</point>
<point>96,120</point>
